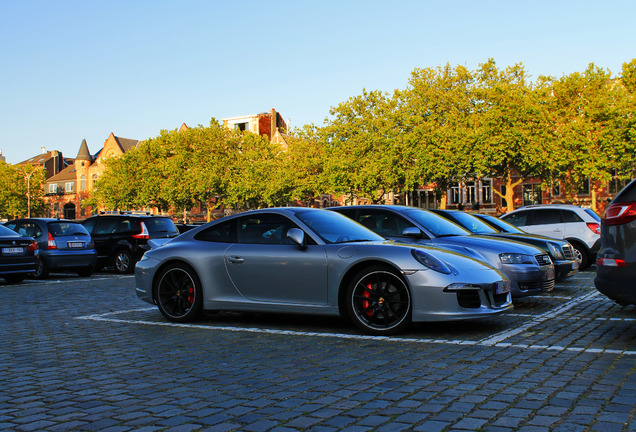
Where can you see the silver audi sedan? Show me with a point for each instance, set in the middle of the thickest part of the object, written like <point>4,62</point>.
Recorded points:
<point>311,261</point>
<point>529,268</point>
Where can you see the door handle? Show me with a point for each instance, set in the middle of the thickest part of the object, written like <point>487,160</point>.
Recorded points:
<point>235,259</point>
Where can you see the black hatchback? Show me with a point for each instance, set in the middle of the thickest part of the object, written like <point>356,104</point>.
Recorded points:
<point>616,259</point>
<point>121,238</point>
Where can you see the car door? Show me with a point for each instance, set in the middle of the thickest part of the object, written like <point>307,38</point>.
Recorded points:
<point>547,222</point>
<point>104,235</point>
<point>266,266</point>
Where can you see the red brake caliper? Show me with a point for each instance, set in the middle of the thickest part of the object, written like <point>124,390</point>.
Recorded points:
<point>190,295</point>
<point>365,303</point>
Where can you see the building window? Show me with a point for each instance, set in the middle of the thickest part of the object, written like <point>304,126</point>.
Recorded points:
<point>69,187</point>
<point>616,183</point>
<point>83,183</point>
<point>531,194</point>
<point>94,179</point>
<point>53,188</point>
<point>486,191</point>
<point>470,193</point>
<point>556,189</point>
<point>242,126</point>
<point>584,187</point>
<point>454,195</point>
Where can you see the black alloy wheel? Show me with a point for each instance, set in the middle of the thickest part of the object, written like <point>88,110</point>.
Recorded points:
<point>378,301</point>
<point>178,293</point>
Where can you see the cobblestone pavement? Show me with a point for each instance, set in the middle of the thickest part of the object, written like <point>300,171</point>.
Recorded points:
<point>86,354</point>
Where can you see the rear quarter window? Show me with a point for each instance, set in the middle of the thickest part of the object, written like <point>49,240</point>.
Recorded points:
<point>224,232</point>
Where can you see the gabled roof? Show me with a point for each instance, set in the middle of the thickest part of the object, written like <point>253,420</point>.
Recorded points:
<point>39,159</point>
<point>66,174</point>
<point>126,143</point>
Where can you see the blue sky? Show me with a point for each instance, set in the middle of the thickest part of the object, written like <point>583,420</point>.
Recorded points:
<point>71,70</point>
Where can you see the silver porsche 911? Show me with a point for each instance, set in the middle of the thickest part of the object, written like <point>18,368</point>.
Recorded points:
<point>304,260</point>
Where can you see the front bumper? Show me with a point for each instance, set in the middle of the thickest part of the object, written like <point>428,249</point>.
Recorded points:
<point>565,268</point>
<point>528,279</point>
<point>432,303</point>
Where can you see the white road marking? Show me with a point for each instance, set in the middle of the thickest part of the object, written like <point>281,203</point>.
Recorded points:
<point>493,341</point>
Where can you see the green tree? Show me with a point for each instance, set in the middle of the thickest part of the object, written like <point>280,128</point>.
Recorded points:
<point>21,190</point>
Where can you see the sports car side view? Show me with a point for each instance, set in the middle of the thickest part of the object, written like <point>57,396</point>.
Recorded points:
<point>304,260</point>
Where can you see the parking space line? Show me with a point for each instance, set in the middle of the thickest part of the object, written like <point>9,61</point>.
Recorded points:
<point>495,341</point>
<point>499,337</point>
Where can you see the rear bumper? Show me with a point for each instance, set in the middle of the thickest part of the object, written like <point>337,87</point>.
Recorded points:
<point>69,260</point>
<point>617,283</point>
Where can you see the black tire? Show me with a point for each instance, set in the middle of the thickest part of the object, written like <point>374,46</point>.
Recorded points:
<point>14,279</point>
<point>86,272</point>
<point>42,272</point>
<point>124,262</point>
<point>581,255</point>
<point>178,293</point>
<point>379,301</point>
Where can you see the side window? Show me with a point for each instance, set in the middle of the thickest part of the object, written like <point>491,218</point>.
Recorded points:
<point>106,225</point>
<point>220,233</point>
<point>264,229</point>
<point>570,216</point>
<point>386,224</point>
<point>546,217</point>
<point>126,225</point>
<point>89,224</point>
<point>29,229</point>
<point>350,213</point>
<point>517,219</point>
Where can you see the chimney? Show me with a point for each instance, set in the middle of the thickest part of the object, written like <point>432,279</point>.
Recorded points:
<point>273,123</point>
<point>43,149</point>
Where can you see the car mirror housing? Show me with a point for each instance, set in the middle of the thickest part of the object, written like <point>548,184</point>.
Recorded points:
<point>297,236</point>
<point>413,232</point>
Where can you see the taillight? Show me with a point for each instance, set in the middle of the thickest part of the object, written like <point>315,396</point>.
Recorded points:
<point>33,246</point>
<point>610,262</point>
<point>144,232</point>
<point>51,243</point>
<point>596,227</point>
<point>619,214</point>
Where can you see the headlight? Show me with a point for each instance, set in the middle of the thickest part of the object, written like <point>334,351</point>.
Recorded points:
<point>555,251</point>
<point>515,258</point>
<point>429,261</point>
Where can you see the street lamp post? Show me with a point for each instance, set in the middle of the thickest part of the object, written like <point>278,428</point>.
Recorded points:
<point>29,193</point>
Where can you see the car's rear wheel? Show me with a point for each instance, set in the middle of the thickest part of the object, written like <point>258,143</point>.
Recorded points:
<point>378,301</point>
<point>178,293</point>
<point>42,271</point>
<point>123,261</point>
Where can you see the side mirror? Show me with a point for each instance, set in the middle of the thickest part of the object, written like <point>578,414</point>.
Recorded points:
<point>412,232</point>
<point>297,236</point>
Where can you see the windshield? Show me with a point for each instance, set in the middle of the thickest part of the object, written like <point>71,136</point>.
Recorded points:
<point>436,224</point>
<point>472,223</point>
<point>66,229</point>
<point>333,227</point>
<point>502,225</point>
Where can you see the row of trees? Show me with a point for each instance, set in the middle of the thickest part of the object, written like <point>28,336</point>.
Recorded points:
<point>447,125</point>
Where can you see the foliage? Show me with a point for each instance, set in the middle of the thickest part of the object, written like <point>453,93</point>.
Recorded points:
<point>21,186</point>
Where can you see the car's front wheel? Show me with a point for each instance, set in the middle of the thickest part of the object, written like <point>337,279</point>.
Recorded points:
<point>378,301</point>
<point>178,293</point>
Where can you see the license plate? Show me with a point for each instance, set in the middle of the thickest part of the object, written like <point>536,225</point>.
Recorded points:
<point>575,265</point>
<point>12,250</point>
<point>76,244</point>
<point>502,287</point>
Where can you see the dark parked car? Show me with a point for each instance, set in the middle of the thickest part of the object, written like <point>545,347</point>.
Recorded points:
<point>529,268</point>
<point>64,245</point>
<point>616,260</point>
<point>563,257</point>
<point>18,255</point>
<point>121,238</point>
<point>311,261</point>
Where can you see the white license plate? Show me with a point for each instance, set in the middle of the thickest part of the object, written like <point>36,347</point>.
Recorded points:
<point>76,244</point>
<point>12,250</point>
<point>502,287</point>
